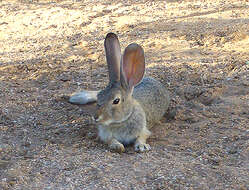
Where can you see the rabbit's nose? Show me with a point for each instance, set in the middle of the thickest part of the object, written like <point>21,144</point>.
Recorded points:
<point>96,117</point>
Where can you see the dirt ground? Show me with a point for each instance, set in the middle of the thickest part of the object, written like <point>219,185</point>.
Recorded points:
<point>50,49</point>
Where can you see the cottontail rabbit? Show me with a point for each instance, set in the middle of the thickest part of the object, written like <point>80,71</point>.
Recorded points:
<point>124,112</point>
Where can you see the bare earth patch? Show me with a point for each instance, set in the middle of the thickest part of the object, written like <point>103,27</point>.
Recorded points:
<point>197,49</point>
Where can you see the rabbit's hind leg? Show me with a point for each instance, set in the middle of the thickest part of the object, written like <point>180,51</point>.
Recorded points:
<point>84,97</point>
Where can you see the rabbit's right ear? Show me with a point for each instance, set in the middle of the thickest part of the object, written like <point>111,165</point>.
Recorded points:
<point>132,66</point>
<point>113,56</point>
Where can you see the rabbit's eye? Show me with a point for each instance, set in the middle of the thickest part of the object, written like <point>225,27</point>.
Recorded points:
<point>116,101</point>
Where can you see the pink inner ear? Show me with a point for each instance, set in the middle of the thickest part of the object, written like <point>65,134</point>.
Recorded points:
<point>133,64</point>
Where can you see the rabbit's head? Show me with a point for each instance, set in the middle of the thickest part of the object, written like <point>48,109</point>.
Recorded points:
<point>115,103</point>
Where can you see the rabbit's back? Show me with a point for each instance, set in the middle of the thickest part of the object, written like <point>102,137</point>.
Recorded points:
<point>153,97</point>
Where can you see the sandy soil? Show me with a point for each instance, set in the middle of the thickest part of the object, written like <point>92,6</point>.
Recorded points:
<point>197,49</point>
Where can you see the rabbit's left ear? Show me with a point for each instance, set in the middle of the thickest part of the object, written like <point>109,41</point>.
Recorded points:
<point>132,66</point>
<point>113,57</point>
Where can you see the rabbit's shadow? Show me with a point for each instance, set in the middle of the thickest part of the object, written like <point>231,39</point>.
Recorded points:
<point>89,108</point>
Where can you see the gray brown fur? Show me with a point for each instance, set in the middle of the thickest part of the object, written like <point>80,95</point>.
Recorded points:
<point>154,98</point>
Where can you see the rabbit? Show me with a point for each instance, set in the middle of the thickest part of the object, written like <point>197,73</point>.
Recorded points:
<point>130,104</point>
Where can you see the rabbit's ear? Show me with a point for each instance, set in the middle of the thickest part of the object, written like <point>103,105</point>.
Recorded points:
<point>132,65</point>
<point>113,56</point>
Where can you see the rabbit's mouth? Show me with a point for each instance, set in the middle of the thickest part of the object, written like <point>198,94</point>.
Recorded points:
<point>97,119</point>
<point>107,121</point>
<point>101,120</point>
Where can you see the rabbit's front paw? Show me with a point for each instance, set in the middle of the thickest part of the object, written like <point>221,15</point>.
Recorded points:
<point>142,147</point>
<point>116,146</point>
